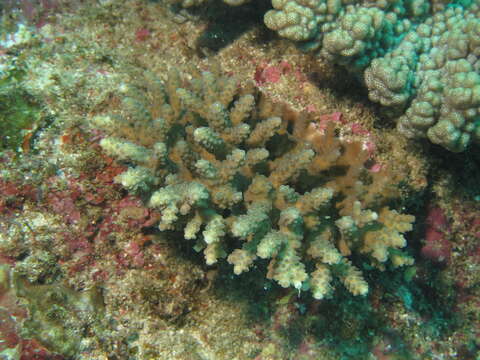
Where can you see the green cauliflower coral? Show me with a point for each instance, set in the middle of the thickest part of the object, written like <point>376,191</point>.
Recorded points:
<point>420,59</point>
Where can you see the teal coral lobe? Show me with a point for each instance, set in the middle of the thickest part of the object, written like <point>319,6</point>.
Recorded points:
<point>419,59</point>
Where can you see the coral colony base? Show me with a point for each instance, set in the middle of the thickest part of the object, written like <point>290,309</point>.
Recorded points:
<point>200,180</point>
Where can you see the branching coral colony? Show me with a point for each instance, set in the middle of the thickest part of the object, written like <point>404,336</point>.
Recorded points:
<point>245,179</point>
<point>419,58</point>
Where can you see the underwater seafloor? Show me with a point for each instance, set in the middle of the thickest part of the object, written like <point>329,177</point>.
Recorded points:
<point>85,270</point>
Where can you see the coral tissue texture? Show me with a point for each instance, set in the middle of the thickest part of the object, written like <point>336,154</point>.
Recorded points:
<point>244,179</point>
<point>421,59</point>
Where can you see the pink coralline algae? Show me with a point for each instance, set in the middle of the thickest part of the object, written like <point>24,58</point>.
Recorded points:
<point>63,203</point>
<point>93,218</point>
<point>355,129</point>
<point>336,117</point>
<point>271,73</point>
<point>437,246</point>
<point>142,34</point>
<point>358,129</point>
<point>321,125</point>
<point>13,196</point>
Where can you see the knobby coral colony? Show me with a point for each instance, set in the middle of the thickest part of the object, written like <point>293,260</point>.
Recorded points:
<point>246,179</point>
<point>419,58</point>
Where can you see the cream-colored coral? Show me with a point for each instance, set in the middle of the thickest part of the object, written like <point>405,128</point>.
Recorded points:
<point>254,182</point>
<point>353,280</point>
<point>390,236</point>
<point>320,282</point>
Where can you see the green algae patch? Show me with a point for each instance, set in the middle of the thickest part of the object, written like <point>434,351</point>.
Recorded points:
<point>19,115</point>
<point>59,316</point>
<point>19,112</point>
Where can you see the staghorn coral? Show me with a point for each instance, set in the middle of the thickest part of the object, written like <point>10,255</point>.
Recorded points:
<point>247,179</point>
